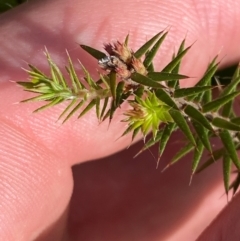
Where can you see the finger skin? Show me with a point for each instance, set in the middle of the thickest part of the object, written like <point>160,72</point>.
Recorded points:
<point>35,187</point>
<point>226,226</point>
<point>24,33</point>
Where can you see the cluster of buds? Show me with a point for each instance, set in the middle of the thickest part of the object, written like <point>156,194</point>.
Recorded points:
<point>121,60</point>
<point>147,114</point>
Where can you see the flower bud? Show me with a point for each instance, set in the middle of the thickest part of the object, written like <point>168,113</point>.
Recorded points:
<point>119,50</point>
<point>138,66</point>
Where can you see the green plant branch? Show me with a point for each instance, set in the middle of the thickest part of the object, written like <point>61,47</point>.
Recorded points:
<point>156,103</point>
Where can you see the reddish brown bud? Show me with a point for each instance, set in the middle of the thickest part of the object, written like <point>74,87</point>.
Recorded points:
<point>138,66</point>
<point>119,50</point>
<point>137,111</point>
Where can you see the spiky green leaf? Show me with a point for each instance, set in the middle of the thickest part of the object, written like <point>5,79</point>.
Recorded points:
<point>139,91</point>
<point>198,152</point>
<point>230,147</point>
<point>235,184</point>
<point>72,103</point>
<point>226,171</point>
<point>152,141</point>
<point>183,152</point>
<point>205,81</point>
<point>94,52</point>
<point>56,74</point>
<point>76,83</point>
<point>167,131</point>
<point>113,83</point>
<point>98,108</point>
<point>135,132</point>
<point>231,87</point>
<point>151,54</point>
<point>119,92</point>
<point>129,129</point>
<point>162,76</point>
<point>206,97</point>
<point>225,124</point>
<point>46,97</point>
<point>150,68</point>
<point>89,79</point>
<point>35,72</point>
<point>74,110</point>
<point>236,120</point>
<point>104,107</point>
<point>202,134</point>
<point>215,156</point>
<point>227,109</point>
<point>164,97</point>
<point>169,67</point>
<point>175,83</point>
<point>182,124</point>
<point>144,48</point>
<point>198,116</point>
<point>219,102</point>
<point>55,101</point>
<point>144,80</point>
<point>88,108</point>
<point>184,92</point>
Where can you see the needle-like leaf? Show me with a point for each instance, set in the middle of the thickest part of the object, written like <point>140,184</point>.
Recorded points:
<point>55,101</point>
<point>184,92</point>
<point>219,102</point>
<point>198,116</point>
<point>227,110</point>
<point>162,76</point>
<point>94,52</point>
<point>152,141</point>
<point>182,124</point>
<point>88,108</point>
<point>232,85</point>
<point>164,97</point>
<point>235,184</point>
<point>205,81</point>
<point>230,147</point>
<point>175,83</point>
<point>74,110</point>
<point>119,92</point>
<point>198,152</point>
<point>104,107</point>
<point>224,124</point>
<point>142,50</point>
<point>151,54</point>
<point>183,152</point>
<point>175,61</point>
<point>202,133</point>
<point>226,171</point>
<point>216,155</point>
<point>113,83</point>
<point>236,120</point>
<point>73,102</point>
<point>144,80</point>
<point>167,131</point>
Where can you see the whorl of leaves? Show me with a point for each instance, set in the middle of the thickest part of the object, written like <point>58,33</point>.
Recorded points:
<point>156,102</point>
